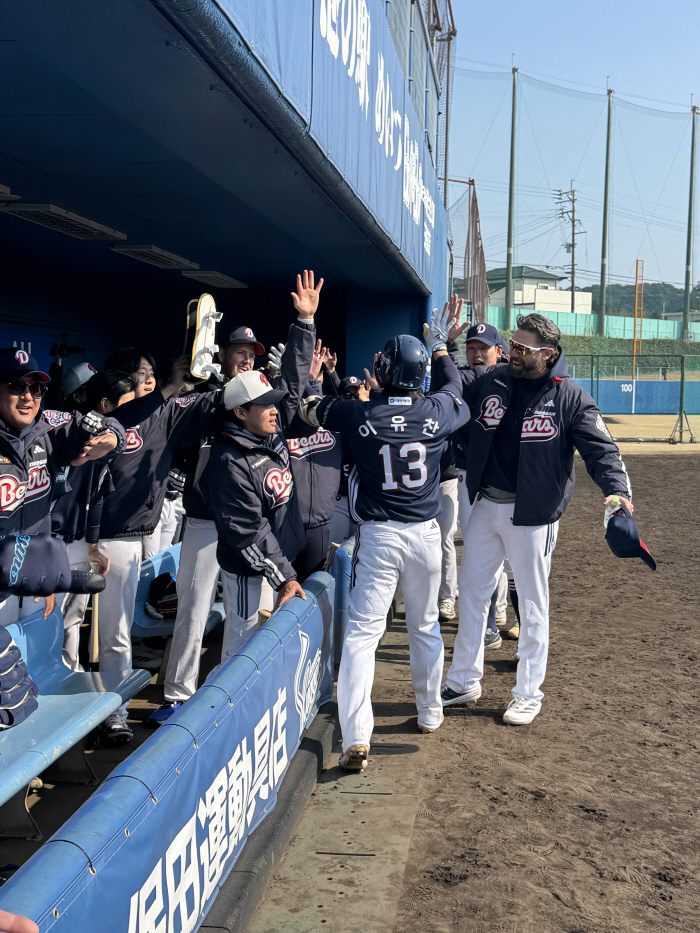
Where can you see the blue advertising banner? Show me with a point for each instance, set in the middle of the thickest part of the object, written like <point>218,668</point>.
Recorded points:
<point>279,35</point>
<point>149,850</point>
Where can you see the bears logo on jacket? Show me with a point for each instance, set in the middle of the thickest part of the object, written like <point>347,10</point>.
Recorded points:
<point>279,485</point>
<point>492,412</point>
<point>11,492</point>
<point>539,427</point>
<point>301,447</point>
<point>134,441</point>
<point>57,418</point>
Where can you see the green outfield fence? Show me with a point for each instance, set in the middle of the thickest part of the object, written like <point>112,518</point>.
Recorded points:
<point>586,325</point>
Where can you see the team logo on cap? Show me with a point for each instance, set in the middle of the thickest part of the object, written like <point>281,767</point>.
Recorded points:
<point>539,427</point>
<point>279,485</point>
<point>492,411</point>
<point>134,441</point>
<point>481,328</point>
<point>300,447</point>
<point>22,357</point>
<point>263,379</point>
<point>249,333</point>
<point>353,380</point>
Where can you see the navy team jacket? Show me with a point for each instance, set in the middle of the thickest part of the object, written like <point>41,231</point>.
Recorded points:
<point>560,419</point>
<point>156,428</point>
<point>249,484</point>
<point>32,461</point>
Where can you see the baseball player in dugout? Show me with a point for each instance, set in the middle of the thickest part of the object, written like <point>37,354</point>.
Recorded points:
<point>397,439</point>
<point>199,556</point>
<point>527,420</point>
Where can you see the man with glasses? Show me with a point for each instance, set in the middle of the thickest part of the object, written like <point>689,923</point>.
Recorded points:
<point>527,420</point>
<point>35,446</point>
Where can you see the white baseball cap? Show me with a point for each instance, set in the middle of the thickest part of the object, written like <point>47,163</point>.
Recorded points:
<point>251,386</point>
<point>76,377</point>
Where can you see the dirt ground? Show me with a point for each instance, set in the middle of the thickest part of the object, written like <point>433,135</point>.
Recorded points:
<point>587,820</point>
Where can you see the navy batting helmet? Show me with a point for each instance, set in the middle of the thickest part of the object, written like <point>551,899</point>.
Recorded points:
<point>402,363</point>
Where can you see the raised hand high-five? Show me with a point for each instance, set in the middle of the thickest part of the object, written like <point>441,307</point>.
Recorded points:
<point>305,298</point>
<point>316,361</point>
<point>456,308</point>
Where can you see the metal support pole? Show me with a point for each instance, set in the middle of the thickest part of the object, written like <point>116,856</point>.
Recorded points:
<point>573,248</point>
<point>448,107</point>
<point>682,400</point>
<point>511,193</point>
<point>604,249</point>
<point>689,244</point>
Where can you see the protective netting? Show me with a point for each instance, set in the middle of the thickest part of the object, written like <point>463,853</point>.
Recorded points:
<point>560,147</point>
<point>474,287</point>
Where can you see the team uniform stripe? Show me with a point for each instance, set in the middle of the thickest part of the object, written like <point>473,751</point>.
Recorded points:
<point>355,558</point>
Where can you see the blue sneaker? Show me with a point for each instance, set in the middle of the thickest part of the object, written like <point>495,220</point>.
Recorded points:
<point>163,713</point>
<point>450,697</point>
<point>492,640</point>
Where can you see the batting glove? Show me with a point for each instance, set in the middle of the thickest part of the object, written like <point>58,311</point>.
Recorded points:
<point>436,332</point>
<point>274,359</point>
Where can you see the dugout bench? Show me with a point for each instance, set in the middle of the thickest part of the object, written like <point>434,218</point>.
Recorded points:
<point>51,742</point>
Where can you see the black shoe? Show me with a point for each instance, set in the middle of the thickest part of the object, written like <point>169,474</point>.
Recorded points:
<point>492,640</point>
<point>116,729</point>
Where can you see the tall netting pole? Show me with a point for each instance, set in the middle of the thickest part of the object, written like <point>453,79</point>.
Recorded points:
<point>476,289</point>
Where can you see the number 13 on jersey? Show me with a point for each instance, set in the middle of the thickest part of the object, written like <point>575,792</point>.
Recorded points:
<point>415,465</point>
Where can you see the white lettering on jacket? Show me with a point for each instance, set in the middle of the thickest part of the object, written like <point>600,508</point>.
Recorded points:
<point>492,412</point>
<point>539,427</point>
<point>301,447</point>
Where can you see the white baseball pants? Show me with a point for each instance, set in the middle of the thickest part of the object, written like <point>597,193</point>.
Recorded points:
<point>164,533</point>
<point>197,574</point>
<point>241,602</point>
<point>465,510</point>
<point>489,536</point>
<point>73,606</point>
<point>117,602</point>
<point>341,526</point>
<point>447,520</point>
<point>388,554</point>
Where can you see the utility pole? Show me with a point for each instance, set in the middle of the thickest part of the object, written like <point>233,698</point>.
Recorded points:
<point>565,198</point>
<point>604,249</point>
<point>511,197</point>
<point>689,245</point>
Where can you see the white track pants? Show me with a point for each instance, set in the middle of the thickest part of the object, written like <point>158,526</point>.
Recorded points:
<point>117,601</point>
<point>489,536</point>
<point>447,520</point>
<point>166,530</point>
<point>73,606</point>
<point>197,574</point>
<point>388,554</point>
<point>341,526</point>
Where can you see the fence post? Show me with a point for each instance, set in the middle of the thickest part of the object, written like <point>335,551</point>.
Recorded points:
<point>591,374</point>
<point>682,399</point>
<point>597,380</point>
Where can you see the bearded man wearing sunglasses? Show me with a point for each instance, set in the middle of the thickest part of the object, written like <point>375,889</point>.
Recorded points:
<point>527,420</point>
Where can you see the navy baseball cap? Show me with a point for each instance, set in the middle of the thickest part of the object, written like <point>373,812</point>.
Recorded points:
<point>486,333</point>
<point>15,363</point>
<point>245,335</point>
<point>623,538</point>
<point>350,382</point>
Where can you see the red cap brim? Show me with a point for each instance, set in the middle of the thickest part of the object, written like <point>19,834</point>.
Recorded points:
<point>42,376</point>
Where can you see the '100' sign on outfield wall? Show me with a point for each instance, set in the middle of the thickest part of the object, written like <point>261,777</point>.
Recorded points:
<point>365,65</point>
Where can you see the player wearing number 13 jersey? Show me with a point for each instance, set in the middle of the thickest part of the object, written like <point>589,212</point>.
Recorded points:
<point>397,439</point>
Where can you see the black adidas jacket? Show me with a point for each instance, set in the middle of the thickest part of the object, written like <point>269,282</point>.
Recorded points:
<point>296,361</point>
<point>78,513</point>
<point>249,484</point>
<point>560,419</point>
<point>156,428</point>
<point>32,462</point>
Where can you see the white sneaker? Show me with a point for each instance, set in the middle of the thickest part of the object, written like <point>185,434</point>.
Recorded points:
<point>521,711</point>
<point>447,609</point>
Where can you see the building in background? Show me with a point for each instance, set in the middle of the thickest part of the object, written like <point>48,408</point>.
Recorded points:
<point>536,290</point>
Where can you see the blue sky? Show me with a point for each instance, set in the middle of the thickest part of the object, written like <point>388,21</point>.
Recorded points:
<point>650,53</point>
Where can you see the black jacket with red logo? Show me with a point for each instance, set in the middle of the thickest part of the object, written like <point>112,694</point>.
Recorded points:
<point>156,428</point>
<point>249,484</point>
<point>561,418</point>
<point>32,460</point>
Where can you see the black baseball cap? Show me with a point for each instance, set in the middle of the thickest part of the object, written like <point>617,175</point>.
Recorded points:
<point>15,363</point>
<point>486,333</point>
<point>245,335</point>
<point>623,538</point>
<point>350,382</point>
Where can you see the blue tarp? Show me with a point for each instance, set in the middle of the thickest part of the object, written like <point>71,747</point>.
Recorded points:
<point>149,850</point>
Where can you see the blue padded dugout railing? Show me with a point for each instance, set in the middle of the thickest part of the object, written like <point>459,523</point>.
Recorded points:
<point>150,849</point>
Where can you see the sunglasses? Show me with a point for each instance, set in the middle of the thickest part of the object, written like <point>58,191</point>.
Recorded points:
<point>35,389</point>
<point>524,348</point>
